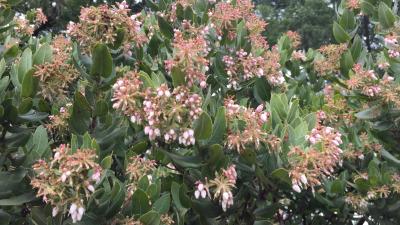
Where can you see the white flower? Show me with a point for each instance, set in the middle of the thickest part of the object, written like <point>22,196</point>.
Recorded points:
<point>76,213</point>
<point>90,188</point>
<point>54,212</point>
<point>296,188</point>
<point>227,200</point>
<point>201,190</point>
<point>303,179</point>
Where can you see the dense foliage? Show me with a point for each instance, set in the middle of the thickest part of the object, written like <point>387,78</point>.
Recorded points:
<point>184,114</point>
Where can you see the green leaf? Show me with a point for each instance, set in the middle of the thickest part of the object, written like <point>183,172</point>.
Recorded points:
<point>339,33</point>
<point>43,54</point>
<point>389,157</point>
<point>162,204</point>
<point>106,162</point>
<point>29,84</point>
<point>143,183</point>
<point>81,113</point>
<point>119,39</point>
<point>146,79</point>
<point>282,175</point>
<point>154,45</point>
<point>139,147</point>
<point>74,143</point>
<point>184,161</point>
<point>25,63</point>
<point>117,199</point>
<point>150,218</point>
<point>386,16</point>
<point>33,116</point>
<point>101,108</point>
<point>140,202</point>
<point>279,104</point>
<point>18,200</point>
<point>175,189</point>
<point>5,218</point>
<point>178,77</point>
<point>2,67</point>
<point>11,179</point>
<point>219,127</point>
<point>41,145</point>
<point>362,185</point>
<point>152,5</point>
<point>25,105</point>
<point>338,187</point>
<point>262,90</point>
<point>86,141</point>
<point>293,111</point>
<point>11,52</point>
<point>165,27</point>
<point>4,84</point>
<point>369,114</point>
<point>203,127</point>
<point>367,8</point>
<point>311,120</point>
<point>356,48</point>
<point>216,154</point>
<point>347,20</point>
<point>346,63</point>
<point>102,61</point>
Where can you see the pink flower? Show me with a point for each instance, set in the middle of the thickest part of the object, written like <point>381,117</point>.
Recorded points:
<point>96,176</point>
<point>231,174</point>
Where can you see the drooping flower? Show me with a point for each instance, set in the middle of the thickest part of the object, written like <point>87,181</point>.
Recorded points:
<point>66,180</point>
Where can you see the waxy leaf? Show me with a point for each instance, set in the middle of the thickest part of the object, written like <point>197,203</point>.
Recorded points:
<point>102,61</point>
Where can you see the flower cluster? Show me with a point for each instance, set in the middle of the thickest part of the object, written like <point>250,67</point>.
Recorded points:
<point>221,186</point>
<point>172,13</point>
<point>137,168</point>
<point>104,23</point>
<point>67,180</point>
<point>165,114</point>
<point>295,38</point>
<point>26,24</point>
<point>244,66</point>
<point>369,84</point>
<point>319,159</point>
<point>40,18</point>
<point>353,4</point>
<point>364,80</point>
<point>245,126</point>
<point>392,45</point>
<point>330,62</point>
<point>55,77</point>
<point>23,25</point>
<point>189,57</point>
<point>256,26</point>
<point>128,93</point>
<point>273,71</point>
<point>171,114</point>
<point>299,55</point>
<point>226,13</point>
<point>58,124</point>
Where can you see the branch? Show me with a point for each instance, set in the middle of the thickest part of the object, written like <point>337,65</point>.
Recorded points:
<point>366,32</point>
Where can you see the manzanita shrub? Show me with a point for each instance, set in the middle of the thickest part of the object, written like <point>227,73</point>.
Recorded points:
<point>184,114</point>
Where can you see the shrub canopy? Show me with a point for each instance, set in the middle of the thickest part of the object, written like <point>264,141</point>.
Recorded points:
<point>183,113</point>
